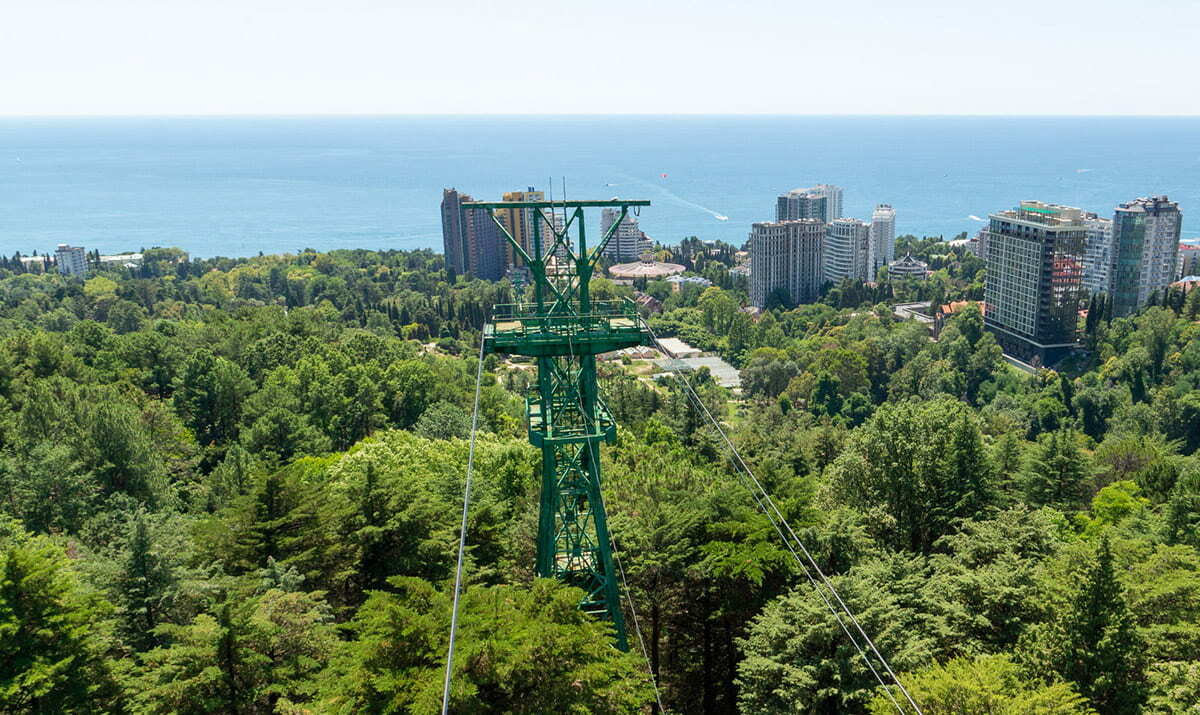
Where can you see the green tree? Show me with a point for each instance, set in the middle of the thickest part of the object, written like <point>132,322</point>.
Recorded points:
<point>444,420</point>
<point>413,386</point>
<point>52,634</point>
<point>209,393</point>
<point>281,435</point>
<point>273,522</point>
<point>984,590</point>
<point>1182,524</point>
<point>1098,647</point>
<point>260,655</point>
<point>1163,591</point>
<point>983,685</point>
<point>1059,474</point>
<point>767,372</point>
<point>911,475</point>
<point>118,448</point>
<point>49,489</point>
<point>519,650</point>
<point>1174,686</point>
<point>143,587</point>
<point>797,658</point>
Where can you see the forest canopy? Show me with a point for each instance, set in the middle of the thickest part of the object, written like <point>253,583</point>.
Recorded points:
<point>234,485</point>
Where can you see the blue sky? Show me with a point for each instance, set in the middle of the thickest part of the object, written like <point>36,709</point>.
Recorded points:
<point>81,57</point>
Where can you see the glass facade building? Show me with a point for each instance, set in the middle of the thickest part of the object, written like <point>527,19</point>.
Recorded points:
<point>1145,251</point>
<point>1034,288</point>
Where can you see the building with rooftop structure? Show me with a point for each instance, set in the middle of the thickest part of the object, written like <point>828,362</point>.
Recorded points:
<point>678,282</point>
<point>723,373</point>
<point>647,303</point>
<point>1097,253</point>
<point>908,267</point>
<point>453,234</point>
<point>1187,283</point>
<point>36,264</point>
<point>520,224</point>
<point>650,270</point>
<point>128,260</point>
<point>977,244</point>
<point>822,202</point>
<point>1189,260</point>
<point>883,238</point>
<point>471,240</point>
<point>628,242</point>
<point>1034,286</point>
<point>71,260</point>
<point>1145,251</point>
<point>676,348</point>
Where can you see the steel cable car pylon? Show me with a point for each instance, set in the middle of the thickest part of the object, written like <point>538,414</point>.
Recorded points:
<point>564,330</point>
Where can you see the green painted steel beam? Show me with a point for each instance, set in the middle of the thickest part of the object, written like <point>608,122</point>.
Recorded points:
<point>565,329</point>
<point>612,203</point>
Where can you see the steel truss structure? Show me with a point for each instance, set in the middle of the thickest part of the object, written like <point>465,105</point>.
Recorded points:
<point>564,330</point>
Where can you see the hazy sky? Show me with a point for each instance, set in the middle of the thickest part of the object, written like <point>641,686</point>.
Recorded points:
<point>621,56</point>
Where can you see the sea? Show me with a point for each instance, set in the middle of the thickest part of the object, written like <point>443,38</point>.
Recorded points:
<point>240,186</point>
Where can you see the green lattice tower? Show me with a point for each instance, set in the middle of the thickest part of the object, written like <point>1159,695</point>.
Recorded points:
<point>564,330</point>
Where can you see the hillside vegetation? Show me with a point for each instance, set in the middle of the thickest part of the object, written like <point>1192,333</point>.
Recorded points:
<point>235,486</point>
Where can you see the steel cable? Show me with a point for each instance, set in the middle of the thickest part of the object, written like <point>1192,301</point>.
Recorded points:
<point>462,535</point>
<point>763,503</point>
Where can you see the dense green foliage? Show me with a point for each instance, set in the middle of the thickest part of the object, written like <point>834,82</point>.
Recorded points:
<point>234,486</point>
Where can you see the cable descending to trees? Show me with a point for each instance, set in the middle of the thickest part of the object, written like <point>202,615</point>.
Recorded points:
<point>624,583</point>
<point>767,505</point>
<point>462,535</point>
<point>637,628</point>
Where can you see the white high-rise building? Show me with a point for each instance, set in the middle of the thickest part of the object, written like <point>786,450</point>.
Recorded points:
<point>71,260</point>
<point>823,201</point>
<point>883,238</point>
<point>1097,258</point>
<point>833,200</point>
<point>847,250</point>
<point>628,242</point>
<point>786,255</point>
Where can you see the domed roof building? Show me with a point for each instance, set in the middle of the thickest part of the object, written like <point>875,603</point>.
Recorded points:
<point>645,269</point>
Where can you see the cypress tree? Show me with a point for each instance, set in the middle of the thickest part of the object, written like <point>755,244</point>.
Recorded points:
<point>141,587</point>
<point>1102,652</point>
<point>1067,388</point>
<point>1059,473</point>
<point>1183,511</point>
<point>1193,304</point>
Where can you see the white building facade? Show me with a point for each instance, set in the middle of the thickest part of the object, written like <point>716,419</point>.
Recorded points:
<point>1145,251</point>
<point>628,242</point>
<point>1097,257</point>
<point>908,267</point>
<point>847,250</point>
<point>883,238</point>
<point>71,260</point>
<point>823,201</point>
